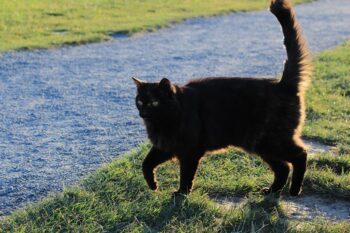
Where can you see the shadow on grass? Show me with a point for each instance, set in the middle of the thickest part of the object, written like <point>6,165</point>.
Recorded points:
<point>257,214</point>
<point>338,165</point>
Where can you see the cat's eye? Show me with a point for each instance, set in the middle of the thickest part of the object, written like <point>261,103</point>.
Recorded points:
<point>155,103</point>
<point>139,102</point>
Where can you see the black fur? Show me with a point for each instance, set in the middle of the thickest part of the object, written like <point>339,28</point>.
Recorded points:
<point>262,116</point>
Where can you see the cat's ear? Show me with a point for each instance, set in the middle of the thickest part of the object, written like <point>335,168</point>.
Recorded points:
<point>166,85</point>
<point>138,82</point>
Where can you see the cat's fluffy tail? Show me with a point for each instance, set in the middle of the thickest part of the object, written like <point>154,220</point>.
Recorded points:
<point>297,69</point>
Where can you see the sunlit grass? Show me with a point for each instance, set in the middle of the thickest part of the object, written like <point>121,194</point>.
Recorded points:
<point>116,199</point>
<point>328,112</point>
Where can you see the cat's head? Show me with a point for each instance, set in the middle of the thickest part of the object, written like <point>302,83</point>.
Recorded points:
<point>156,101</point>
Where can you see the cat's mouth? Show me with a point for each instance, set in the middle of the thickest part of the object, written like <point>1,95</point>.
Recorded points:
<point>146,117</point>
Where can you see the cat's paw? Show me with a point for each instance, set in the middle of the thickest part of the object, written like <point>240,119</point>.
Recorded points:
<point>265,191</point>
<point>182,192</point>
<point>268,191</point>
<point>153,186</point>
<point>295,192</point>
<point>179,194</point>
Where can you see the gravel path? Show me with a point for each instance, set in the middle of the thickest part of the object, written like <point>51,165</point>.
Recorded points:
<point>65,111</point>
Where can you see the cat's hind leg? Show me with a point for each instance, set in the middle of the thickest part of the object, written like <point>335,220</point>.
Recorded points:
<point>299,168</point>
<point>289,152</point>
<point>297,156</point>
<point>152,160</point>
<point>281,171</point>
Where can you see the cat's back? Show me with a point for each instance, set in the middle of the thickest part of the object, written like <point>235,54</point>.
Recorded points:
<point>230,107</point>
<point>222,87</point>
<point>230,82</point>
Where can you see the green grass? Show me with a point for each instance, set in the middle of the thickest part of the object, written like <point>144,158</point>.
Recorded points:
<point>44,23</point>
<point>116,199</point>
<point>328,111</point>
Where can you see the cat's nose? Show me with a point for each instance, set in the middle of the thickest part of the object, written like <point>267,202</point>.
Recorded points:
<point>145,115</point>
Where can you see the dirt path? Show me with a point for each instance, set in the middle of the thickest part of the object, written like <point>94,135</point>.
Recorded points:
<point>315,148</point>
<point>305,207</point>
<point>66,111</point>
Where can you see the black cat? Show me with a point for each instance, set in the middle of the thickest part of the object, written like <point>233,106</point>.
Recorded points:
<point>262,116</point>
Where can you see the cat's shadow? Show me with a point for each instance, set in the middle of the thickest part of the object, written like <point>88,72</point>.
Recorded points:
<point>178,209</point>
<point>260,213</point>
<point>263,212</point>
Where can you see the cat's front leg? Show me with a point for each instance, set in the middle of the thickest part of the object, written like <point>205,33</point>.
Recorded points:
<point>152,160</point>
<point>188,168</point>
